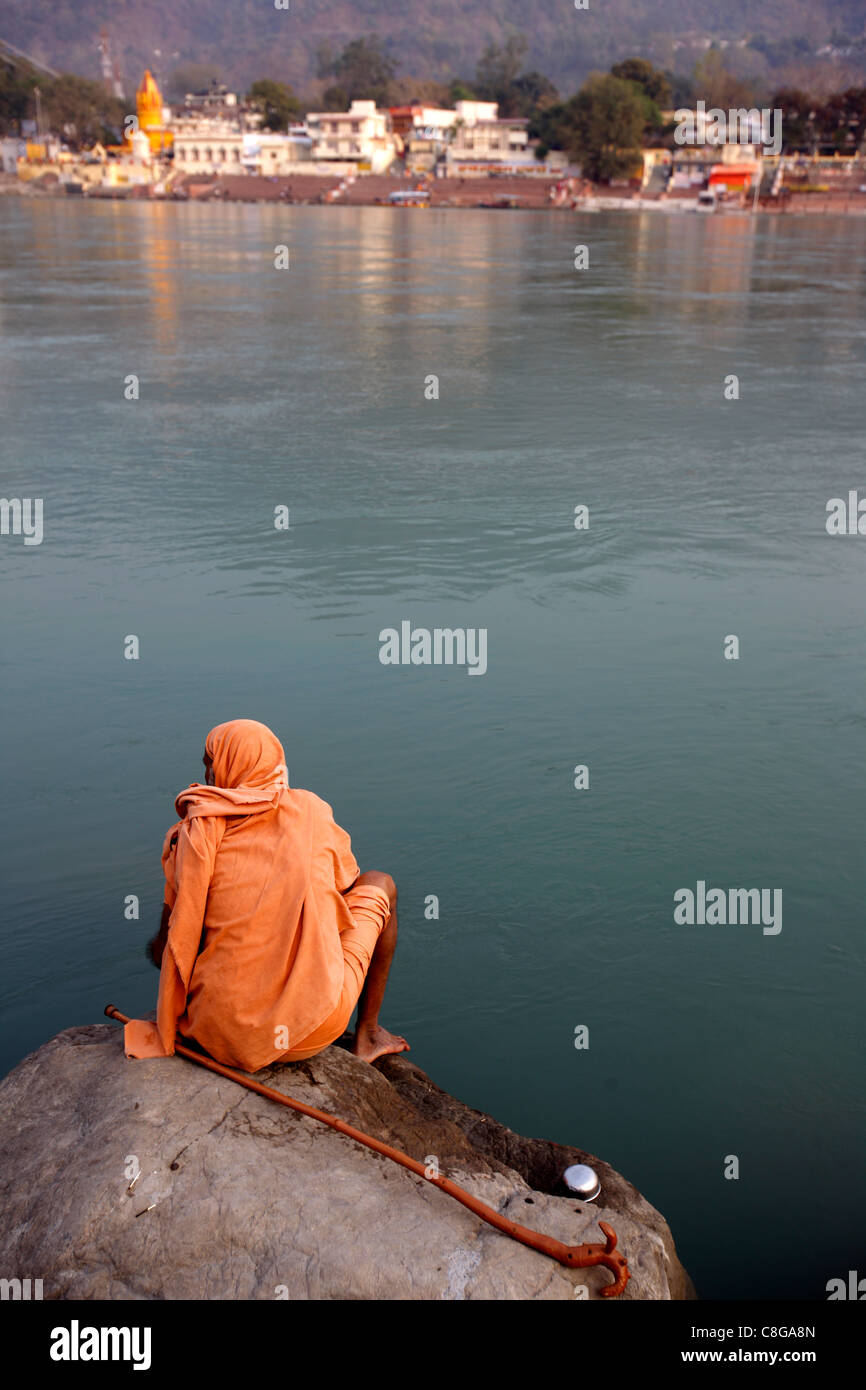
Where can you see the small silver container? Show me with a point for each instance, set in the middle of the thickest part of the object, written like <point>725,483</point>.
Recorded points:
<point>582,1181</point>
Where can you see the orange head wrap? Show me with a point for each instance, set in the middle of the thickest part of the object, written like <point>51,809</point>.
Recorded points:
<point>245,754</point>
<point>249,768</point>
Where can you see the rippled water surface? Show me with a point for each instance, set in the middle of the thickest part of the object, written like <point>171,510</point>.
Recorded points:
<point>305,388</point>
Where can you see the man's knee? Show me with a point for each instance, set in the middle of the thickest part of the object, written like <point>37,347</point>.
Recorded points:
<point>384,881</point>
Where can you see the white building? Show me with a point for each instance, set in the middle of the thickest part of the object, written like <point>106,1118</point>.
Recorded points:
<point>423,122</point>
<point>224,149</point>
<point>209,147</point>
<point>425,132</point>
<point>273,152</point>
<point>210,133</point>
<point>481,140</point>
<point>362,135</point>
<point>11,150</point>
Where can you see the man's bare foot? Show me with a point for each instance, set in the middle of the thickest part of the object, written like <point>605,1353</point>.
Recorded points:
<point>375,1041</point>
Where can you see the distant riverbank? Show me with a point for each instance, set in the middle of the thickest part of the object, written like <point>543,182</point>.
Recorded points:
<point>512,192</point>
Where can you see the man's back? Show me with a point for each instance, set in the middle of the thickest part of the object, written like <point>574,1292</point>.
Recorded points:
<point>273,913</point>
<point>270,935</point>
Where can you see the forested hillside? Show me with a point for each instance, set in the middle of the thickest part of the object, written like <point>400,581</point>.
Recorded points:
<point>768,41</point>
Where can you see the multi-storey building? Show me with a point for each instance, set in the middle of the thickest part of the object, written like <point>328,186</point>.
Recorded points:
<point>482,140</point>
<point>362,135</point>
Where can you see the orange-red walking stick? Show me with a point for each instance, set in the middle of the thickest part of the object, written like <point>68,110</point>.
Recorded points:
<point>574,1256</point>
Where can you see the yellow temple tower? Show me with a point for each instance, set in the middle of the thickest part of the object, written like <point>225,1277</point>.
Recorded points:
<point>148,103</point>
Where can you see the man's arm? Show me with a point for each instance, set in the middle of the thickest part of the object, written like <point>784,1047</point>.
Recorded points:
<point>156,947</point>
<point>346,868</point>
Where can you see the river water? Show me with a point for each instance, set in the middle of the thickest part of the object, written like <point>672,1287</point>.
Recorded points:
<point>306,388</point>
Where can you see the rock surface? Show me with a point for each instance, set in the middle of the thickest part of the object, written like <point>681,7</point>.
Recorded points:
<point>239,1198</point>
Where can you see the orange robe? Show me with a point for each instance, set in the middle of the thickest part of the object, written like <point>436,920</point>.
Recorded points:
<point>254,876</point>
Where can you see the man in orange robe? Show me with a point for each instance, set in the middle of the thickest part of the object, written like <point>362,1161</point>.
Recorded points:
<point>270,933</point>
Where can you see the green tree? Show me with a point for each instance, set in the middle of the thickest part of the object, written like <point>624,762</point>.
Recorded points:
<point>16,98</point>
<point>191,77</point>
<point>498,78</point>
<point>841,120</point>
<point>718,87</point>
<point>497,71</point>
<point>683,91</point>
<point>81,111</point>
<point>651,80</point>
<point>461,91</point>
<point>277,103</point>
<point>552,127</point>
<point>532,93</point>
<point>798,124</point>
<point>419,91</point>
<point>363,70</point>
<point>335,99</point>
<point>603,126</point>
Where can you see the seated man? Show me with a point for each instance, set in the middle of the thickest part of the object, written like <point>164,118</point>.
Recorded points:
<point>270,933</point>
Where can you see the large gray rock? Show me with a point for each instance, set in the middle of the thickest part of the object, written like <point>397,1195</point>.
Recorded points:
<point>241,1198</point>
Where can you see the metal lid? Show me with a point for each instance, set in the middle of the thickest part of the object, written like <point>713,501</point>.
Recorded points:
<point>582,1181</point>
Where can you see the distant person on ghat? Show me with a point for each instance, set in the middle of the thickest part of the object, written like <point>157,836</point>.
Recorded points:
<point>270,933</point>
